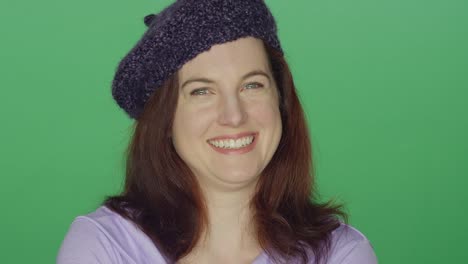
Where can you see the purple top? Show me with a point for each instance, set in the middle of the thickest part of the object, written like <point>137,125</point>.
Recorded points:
<point>104,236</point>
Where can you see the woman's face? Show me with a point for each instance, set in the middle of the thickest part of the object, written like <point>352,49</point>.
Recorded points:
<point>227,124</point>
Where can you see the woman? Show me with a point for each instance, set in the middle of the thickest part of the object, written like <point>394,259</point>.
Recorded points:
<point>219,167</point>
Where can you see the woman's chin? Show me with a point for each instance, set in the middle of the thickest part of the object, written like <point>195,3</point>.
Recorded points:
<point>238,179</point>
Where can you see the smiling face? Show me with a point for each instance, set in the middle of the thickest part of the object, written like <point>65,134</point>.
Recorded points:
<point>227,123</point>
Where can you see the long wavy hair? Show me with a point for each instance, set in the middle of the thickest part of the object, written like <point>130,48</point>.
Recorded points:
<point>163,198</point>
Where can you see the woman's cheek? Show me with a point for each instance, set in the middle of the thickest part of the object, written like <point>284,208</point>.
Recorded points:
<point>198,119</point>
<point>265,111</point>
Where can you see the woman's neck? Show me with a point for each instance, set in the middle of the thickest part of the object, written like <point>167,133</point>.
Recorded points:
<point>231,230</point>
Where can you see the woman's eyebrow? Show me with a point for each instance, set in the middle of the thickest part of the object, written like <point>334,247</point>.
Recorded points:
<point>256,72</point>
<point>204,80</point>
<point>247,75</point>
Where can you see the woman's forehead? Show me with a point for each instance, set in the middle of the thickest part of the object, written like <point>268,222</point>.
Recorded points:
<point>236,57</point>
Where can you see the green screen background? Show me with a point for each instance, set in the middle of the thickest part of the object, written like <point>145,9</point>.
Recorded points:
<point>384,85</point>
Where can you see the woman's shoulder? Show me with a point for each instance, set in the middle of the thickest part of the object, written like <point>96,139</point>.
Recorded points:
<point>104,236</point>
<point>351,246</point>
<point>348,246</point>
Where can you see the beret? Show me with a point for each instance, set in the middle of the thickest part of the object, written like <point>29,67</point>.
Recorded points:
<point>178,34</point>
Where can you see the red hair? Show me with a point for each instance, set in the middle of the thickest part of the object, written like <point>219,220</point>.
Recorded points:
<point>163,198</point>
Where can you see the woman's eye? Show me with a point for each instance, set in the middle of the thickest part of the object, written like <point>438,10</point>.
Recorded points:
<point>253,85</point>
<point>200,91</point>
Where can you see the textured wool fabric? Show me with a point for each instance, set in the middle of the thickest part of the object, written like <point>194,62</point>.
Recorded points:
<point>178,34</point>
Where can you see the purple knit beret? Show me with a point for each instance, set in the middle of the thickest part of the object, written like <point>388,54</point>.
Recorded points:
<point>178,34</point>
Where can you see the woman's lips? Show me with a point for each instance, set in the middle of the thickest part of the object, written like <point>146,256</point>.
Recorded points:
<point>235,136</point>
<point>241,150</point>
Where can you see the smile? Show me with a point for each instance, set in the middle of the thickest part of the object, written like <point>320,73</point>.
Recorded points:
<point>232,143</point>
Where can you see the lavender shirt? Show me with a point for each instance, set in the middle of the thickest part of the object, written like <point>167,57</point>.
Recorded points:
<point>103,236</point>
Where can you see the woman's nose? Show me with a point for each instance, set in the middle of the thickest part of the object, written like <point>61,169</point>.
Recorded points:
<point>232,111</point>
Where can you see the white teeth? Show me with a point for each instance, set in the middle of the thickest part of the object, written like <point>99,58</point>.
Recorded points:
<point>231,143</point>
<point>238,143</point>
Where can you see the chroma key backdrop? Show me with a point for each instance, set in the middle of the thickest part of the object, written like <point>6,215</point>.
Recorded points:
<point>384,85</point>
